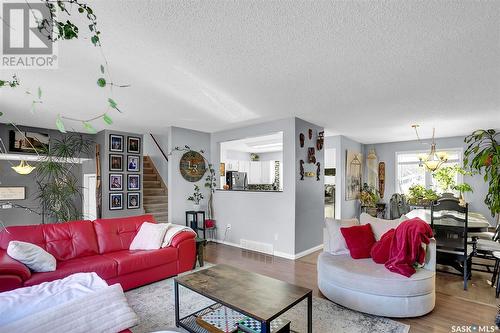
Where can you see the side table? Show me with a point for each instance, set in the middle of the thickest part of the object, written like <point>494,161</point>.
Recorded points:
<point>194,223</point>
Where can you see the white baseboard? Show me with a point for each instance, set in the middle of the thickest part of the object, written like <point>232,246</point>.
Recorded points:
<point>278,253</point>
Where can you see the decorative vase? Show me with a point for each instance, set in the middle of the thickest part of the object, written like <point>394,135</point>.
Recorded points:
<point>196,207</point>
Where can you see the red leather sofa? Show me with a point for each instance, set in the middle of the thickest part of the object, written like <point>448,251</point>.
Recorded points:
<point>99,246</point>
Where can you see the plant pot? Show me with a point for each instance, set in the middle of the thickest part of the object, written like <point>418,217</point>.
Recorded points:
<point>196,207</point>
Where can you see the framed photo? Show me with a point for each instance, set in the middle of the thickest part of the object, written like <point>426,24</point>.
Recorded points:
<point>116,142</point>
<point>115,182</point>
<point>133,163</point>
<point>115,201</point>
<point>133,145</point>
<point>134,182</point>
<point>115,162</point>
<point>28,142</point>
<point>133,200</point>
<point>12,193</point>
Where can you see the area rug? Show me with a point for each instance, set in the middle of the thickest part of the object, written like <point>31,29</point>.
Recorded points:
<point>154,304</point>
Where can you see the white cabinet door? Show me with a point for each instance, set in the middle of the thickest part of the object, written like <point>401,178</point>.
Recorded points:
<point>231,165</point>
<point>255,173</point>
<point>244,166</point>
<point>267,175</point>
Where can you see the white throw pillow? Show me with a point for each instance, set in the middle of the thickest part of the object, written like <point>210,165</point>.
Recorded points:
<point>33,256</point>
<point>380,226</point>
<point>150,236</point>
<point>336,241</point>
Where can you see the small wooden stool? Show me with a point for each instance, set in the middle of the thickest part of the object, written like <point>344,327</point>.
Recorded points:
<point>200,250</point>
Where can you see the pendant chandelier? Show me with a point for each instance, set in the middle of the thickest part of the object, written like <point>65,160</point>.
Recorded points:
<point>23,168</point>
<point>434,159</point>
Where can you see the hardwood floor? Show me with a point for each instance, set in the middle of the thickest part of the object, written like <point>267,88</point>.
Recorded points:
<point>454,306</point>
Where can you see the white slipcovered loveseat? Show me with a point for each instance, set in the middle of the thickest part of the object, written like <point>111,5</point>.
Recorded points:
<point>363,285</point>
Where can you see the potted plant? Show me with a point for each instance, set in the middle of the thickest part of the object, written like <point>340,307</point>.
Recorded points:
<point>483,155</point>
<point>196,198</point>
<point>369,198</point>
<point>418,195</point>
<point>462,189</point>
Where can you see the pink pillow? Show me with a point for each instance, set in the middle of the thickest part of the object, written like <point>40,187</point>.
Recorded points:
<point>381,249</point>
<point>359,240</point>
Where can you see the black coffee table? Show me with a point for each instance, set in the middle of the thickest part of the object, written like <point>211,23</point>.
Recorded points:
<point>257,296</point>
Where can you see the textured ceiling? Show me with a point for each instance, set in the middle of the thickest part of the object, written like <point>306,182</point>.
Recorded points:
<point>365,69</point>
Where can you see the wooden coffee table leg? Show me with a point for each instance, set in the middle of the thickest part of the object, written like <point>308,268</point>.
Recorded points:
<point>309,313</point>
<point>176,291</point>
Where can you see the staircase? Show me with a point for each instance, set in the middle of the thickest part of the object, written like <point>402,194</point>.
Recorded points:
<point>155,195</point>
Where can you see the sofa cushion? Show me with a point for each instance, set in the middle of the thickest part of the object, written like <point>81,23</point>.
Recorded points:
<point>335,243</point>
<point>366,276</point>
<point>117,234</point>
<point>149,237</point>
<point>359,240</point>
<point>132,261</point>
<point>106,268</point>
<point>380,226</point>
<point>64,241</point>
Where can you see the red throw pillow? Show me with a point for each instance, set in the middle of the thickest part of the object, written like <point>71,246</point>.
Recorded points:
<point>359,240</point>
<point>381,249</point>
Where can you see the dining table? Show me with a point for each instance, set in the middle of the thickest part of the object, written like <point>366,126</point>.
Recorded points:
<point>476,221</point>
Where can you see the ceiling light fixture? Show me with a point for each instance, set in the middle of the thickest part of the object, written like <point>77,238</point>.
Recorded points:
<point>434,159</point>
<point>23,168</point>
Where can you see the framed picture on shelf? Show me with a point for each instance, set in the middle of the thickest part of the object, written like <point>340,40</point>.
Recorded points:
<point>28,142</point>
<point>115,162</point>
<point>116,142</point>
<point>115,182</point>
<point>134,182</point>
<point>133,200</point>
<point>133,145</point>
<point>115,201</point>
<point>133,163</point>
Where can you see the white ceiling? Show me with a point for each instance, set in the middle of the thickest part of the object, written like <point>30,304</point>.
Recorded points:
<point>365,69</point>
<point>258,144</point>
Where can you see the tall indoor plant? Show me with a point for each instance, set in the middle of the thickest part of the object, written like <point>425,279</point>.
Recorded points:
<point>483,155</point>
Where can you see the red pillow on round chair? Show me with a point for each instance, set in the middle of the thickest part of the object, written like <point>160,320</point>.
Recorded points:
<point>359,240</point>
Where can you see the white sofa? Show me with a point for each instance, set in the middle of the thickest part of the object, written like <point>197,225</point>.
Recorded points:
<point>363,285</point>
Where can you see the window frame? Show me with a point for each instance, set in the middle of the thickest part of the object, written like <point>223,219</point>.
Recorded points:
<point>428,175</point>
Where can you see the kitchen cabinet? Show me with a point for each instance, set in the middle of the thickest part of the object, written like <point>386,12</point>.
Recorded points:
<point>261,172</point>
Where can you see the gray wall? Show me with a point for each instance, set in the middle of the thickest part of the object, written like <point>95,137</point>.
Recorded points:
<point>151,150</point>
<point>386,152</point>
<point>309,193</point>
<point>267,217</point>
<point>8,177</point>
<point>178,188</point>
<point>103,140</point>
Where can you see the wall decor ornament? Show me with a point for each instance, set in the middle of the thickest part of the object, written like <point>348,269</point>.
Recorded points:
<point>301,169</point>
<point>310,134</point>
<point>318,171</point>
<point>192,166</point>
<point>115,182</point>
<point>381,179</point>
<point>133,200</point>
<point>311,158</point>
<point>372,169</point>
<point>353,175</point>
<point>133,163</point>
<point>115,162</point>
<point>320,140</point>
<point>302,140</point>
<point>310,174</point>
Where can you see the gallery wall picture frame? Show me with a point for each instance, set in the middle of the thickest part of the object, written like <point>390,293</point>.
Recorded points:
<point>116,143</point>
<point>133,200</point>
<point>133,163</point>
<point>115,201</point>
<point>115,182</point>
<point>133,145</point>
<point>134,182</point>
<point>115,162</point>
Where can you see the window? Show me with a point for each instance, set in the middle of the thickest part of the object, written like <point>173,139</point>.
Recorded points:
<point>409,172</point>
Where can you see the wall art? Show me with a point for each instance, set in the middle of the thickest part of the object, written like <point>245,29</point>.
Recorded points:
<point>311,158</point>
<point>353,175</point>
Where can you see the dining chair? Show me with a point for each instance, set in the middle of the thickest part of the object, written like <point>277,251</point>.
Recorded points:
<point>449,222</point>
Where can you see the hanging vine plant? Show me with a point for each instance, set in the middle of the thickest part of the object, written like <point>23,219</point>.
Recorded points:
<point>57,27</point>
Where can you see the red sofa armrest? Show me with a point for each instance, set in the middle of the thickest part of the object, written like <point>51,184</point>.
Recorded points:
<point>181,237</point>
<point>12,272</point>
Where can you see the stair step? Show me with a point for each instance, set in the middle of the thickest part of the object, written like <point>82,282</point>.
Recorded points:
<point>154,191</point>
<point>148,177</point>
<point>149,170</point>
<point>152,184</point>
<point>156,208</point>
<point>155,199</point>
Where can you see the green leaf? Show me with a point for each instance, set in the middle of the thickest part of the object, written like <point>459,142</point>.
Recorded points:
<point>101,82</point>
<point>80,10</point>
<point>102,69</point>
<point>94,40</point>
<point>60,125</point>
<point>2,83</point>
<point>89,128</point>
<point>1,113</point>
<point>107,119</point>
<point>113,104</point>
<point>39,93</point>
